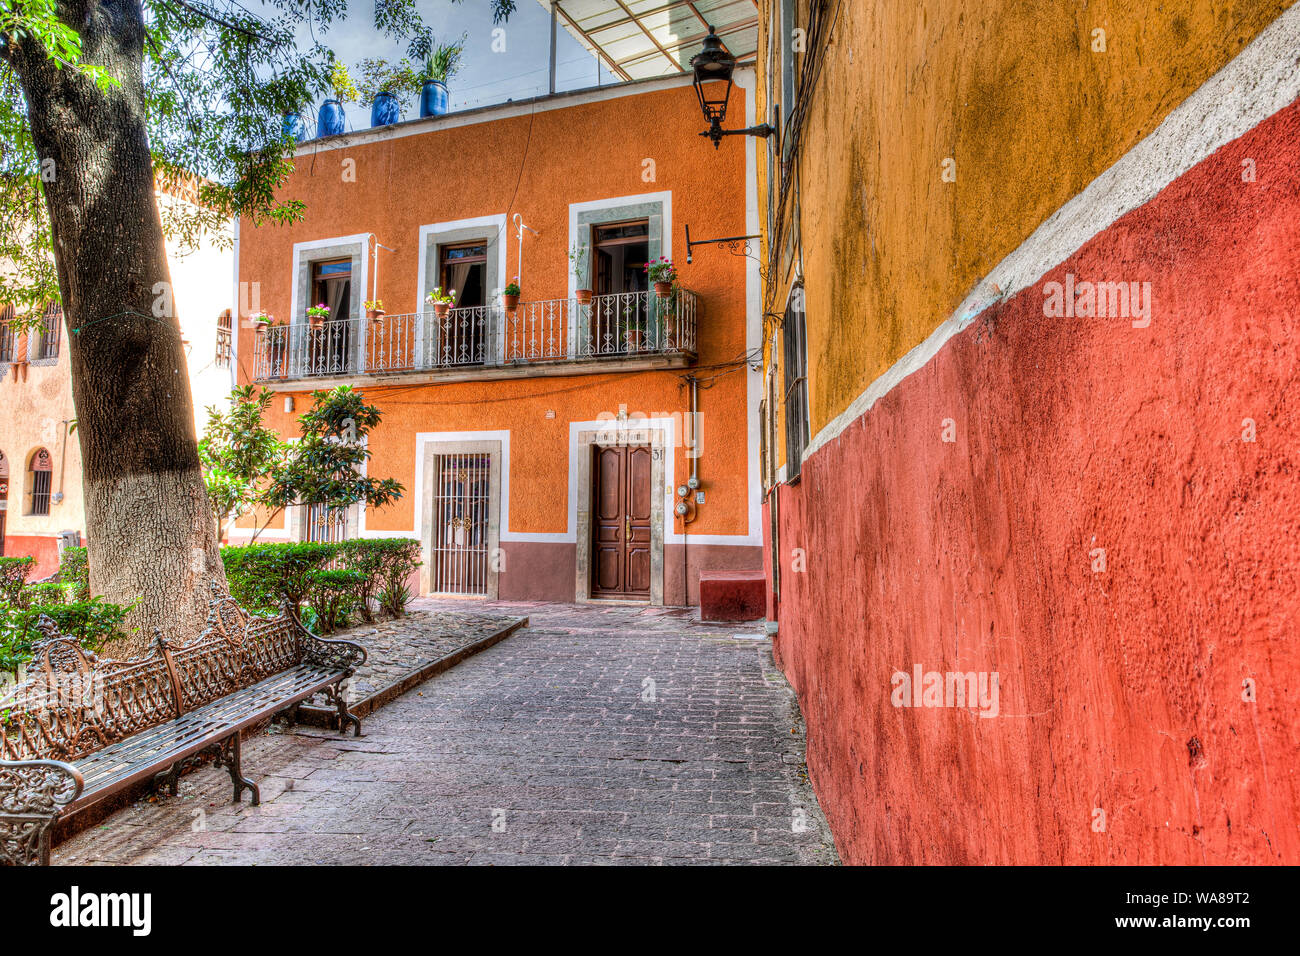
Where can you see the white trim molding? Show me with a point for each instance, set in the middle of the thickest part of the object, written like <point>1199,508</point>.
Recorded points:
<point>1256,84</point>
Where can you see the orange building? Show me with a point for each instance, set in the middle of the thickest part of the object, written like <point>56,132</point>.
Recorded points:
<point>546,449</point>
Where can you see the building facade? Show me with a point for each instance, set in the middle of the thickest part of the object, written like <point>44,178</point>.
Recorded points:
<point>542,445</point>
<point>1032,293</point>
<point>41,503</point>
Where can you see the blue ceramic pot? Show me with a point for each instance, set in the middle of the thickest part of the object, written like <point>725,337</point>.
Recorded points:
<point>433,98</point>
<point>295,127</point>
<point>386,110</point>
<point>331,120</point>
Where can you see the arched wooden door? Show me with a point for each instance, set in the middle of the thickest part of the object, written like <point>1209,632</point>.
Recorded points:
<point>621,496</point>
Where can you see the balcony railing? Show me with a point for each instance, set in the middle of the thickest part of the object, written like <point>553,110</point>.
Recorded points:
<point>628,325</point>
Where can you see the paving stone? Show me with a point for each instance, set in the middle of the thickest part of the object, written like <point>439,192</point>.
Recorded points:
<point>596,735</point>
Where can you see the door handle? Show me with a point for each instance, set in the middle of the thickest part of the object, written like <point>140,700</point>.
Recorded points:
<point>627,527</point>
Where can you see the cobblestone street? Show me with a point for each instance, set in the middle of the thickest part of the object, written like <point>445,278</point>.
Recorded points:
<point>598,734</point>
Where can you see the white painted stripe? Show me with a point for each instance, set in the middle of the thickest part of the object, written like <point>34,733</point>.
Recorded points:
<point>1262,79</point>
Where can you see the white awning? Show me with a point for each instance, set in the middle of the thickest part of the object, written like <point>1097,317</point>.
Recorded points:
<point>639,39</point>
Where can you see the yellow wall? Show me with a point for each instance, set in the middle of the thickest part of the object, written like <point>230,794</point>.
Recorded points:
<point>1015,94</point>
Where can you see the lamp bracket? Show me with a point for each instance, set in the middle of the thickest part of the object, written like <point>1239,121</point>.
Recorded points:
<point>736,245</point>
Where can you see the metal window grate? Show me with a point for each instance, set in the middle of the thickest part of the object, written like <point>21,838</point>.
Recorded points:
<point>6,335</point>
<point>459,562</point>
<point>793,339</point>
<point>51,327</point>
<point>326,524</point>
<point>225,332</point>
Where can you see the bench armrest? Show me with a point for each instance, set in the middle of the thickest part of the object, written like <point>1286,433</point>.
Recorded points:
<point>327,652</point>
<point>32,794</point>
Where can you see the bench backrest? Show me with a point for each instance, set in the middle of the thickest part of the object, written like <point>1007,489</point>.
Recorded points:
<point>72,703</point>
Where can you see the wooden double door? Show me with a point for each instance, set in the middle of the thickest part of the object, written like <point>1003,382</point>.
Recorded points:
<point>620,538</point>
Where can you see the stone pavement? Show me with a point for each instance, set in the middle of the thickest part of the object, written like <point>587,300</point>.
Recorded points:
<point>598,734</point>
<point>429,631</point>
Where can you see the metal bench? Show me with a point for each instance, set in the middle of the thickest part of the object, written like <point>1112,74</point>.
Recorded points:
<point>79,729</point>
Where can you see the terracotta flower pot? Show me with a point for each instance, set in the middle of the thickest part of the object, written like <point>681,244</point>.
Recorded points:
<point>315,322</point>
<point>633,339</point>
<point>583,296</point>
<point>663,289</point>
<point>375,315</point>
<point>440,309</point>
<point>511,302</point>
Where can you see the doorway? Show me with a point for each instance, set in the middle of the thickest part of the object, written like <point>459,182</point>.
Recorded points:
<point>460,523</point>
<point>621,501</point>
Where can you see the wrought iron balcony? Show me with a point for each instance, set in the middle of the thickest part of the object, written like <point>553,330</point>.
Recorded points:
<point>555,331</point>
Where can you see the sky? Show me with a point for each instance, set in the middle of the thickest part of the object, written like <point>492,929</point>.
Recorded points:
<point>486,77</point>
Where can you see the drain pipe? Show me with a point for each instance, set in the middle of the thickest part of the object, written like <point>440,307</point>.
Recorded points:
<point>63,460</point>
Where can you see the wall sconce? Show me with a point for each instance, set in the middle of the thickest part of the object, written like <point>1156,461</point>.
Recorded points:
<point>713,67</point>
<point>288,403</point>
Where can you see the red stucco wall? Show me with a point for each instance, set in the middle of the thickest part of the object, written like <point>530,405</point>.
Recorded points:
<point>1120,691</point>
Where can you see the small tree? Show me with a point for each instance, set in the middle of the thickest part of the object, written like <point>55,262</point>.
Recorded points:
<point>324,467</point>
<point>238,451</point>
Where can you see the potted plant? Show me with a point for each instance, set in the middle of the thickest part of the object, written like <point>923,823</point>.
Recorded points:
<point>331,121</point>
<point>441,301</point>
<point>630,330</point>
<point>510,296</point>
<point>260,320</point>
<point>375,311</point>
<point>578,258</point>
<point>388,86</point>
<point>439,67</point>
<point>317,314</point>
<point>663,274</point>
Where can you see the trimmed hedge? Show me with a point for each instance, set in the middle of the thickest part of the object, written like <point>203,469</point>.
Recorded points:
<point>335,580</point>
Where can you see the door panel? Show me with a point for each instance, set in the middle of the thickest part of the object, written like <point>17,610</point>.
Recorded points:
<point>621,499</point>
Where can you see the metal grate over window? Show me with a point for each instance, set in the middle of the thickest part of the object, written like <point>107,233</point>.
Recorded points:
<point>794,341</point>
<point>459,562</point>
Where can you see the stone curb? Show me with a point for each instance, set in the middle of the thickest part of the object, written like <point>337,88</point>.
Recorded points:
<point>326,717</point>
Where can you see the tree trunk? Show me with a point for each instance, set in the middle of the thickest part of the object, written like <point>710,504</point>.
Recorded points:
<point>150,529</point>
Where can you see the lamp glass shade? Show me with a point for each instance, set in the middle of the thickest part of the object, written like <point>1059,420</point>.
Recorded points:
<point>713,67</point>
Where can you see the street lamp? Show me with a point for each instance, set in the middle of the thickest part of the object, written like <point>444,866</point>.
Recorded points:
<point>713,67</point>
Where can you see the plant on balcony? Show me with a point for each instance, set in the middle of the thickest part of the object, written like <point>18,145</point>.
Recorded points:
<point>261,320</point>
<point>389,86</point>
<point>331,120</point>
<point>375,311</point>
<point>317,314</point>
<point>510,296</point>
<point>663,274</point>
<point>441,301</point>
<point>629,327</point>
<point>578,256</point>
<point>439,67</point>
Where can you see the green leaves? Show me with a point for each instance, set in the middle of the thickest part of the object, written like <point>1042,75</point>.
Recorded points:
<point>237,453</point>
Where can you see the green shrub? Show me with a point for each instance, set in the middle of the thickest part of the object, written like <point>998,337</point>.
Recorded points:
<point>74,573</point>
<point>333,597</point>
<point>401,557</point>
<point>91,623</point>
<point>46,593</point>
<point>263,576</point>
<point>361,554</point>
<point>13,579</point>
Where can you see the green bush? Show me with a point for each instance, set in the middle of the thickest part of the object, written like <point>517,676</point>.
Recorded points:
<point>361,555</point>
<point>13,579</point>
<point>401,557</point>
<point>74,573</point>
<point>46,593</point>
<point>91,623</point>
<point>333,596</point>
<point>263,576</point>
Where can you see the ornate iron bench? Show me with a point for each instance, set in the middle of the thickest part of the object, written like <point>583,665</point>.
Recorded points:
<point>79,729</point>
